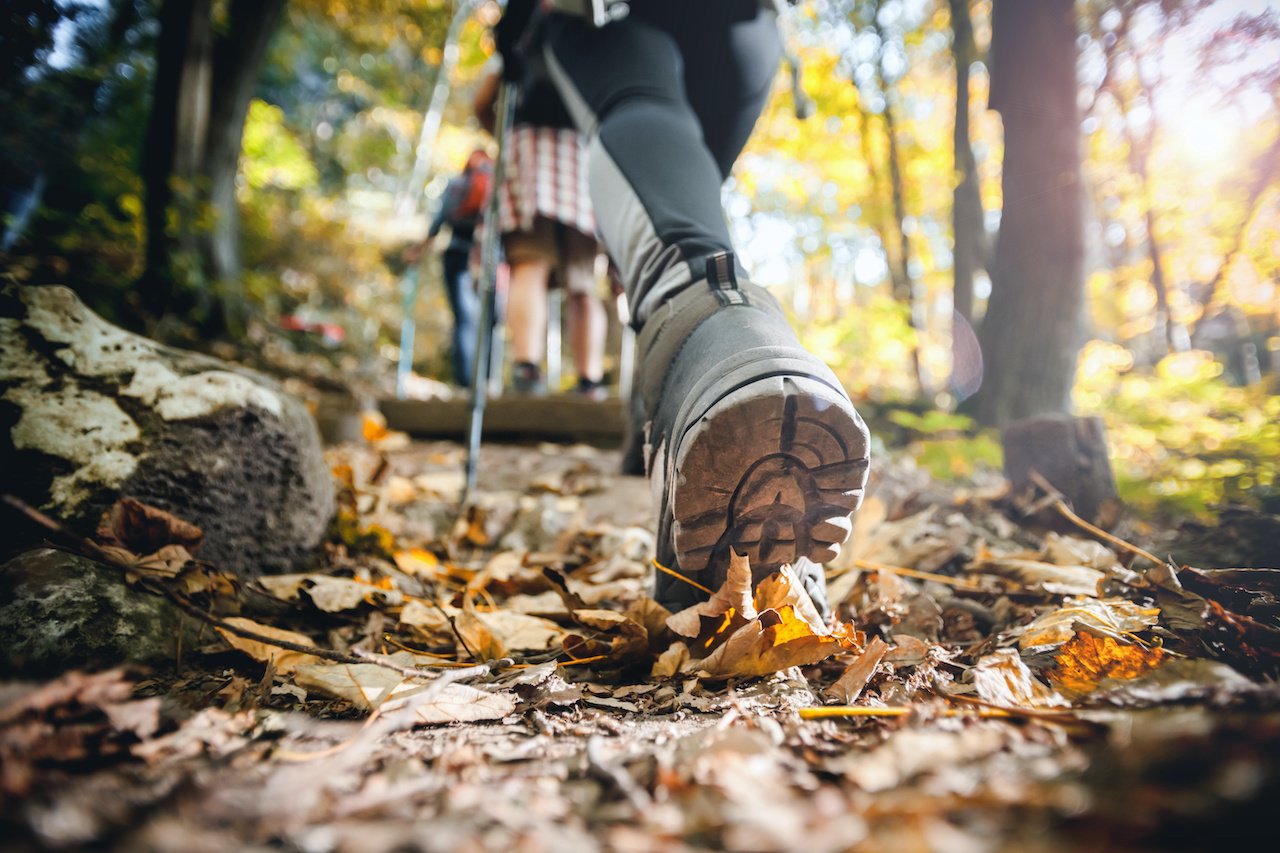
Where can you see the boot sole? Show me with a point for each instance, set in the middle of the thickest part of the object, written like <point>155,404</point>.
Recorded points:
<point>773,469</point>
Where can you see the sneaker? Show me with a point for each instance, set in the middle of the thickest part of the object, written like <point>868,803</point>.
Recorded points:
<point>526,378</point>
<point>589,388</point>
<point>753,443</point>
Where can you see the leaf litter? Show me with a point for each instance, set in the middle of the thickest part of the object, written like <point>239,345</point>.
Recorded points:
<point>504,680</point>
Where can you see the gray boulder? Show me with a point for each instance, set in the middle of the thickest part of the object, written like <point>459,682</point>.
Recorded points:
<point>90,413</point>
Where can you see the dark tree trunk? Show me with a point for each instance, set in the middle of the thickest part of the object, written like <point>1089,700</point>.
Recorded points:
<point>174,144</point>
<point>1035,320</point>
<point>237,59</point>
<point>966,211</point>
<point>204,82</point>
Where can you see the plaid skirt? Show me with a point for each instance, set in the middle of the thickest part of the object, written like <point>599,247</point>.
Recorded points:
<point>546,175</point>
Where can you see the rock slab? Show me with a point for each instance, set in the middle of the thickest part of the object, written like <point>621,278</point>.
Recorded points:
<point>90,413</point>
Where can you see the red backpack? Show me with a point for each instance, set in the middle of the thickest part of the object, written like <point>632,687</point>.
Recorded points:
<point>474,193</point>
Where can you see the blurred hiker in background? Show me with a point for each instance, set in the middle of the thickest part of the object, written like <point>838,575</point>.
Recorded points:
<point>460,209</point>
<point>547,223</point>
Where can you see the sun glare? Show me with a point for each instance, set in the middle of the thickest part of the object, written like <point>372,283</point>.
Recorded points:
<point>1203,134</point>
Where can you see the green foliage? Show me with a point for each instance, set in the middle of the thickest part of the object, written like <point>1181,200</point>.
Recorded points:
<point>1182,438</point>
<point>949,446</point>
<point>271,154</point>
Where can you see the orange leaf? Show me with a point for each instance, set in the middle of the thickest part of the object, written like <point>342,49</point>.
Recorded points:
<point>1085,660</point>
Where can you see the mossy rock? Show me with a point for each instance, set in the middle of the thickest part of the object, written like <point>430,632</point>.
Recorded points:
<point>61,611</point>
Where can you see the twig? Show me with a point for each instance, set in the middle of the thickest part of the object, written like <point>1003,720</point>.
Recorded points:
<point>870,566</point>
<point>1065,511</point>
<point>824,712</point>
<point>679,576</point>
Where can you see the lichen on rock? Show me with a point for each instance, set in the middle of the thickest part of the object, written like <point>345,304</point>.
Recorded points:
<point>90,412</point>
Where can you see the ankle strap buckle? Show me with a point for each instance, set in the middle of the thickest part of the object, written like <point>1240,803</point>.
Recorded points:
<point>722,271</point>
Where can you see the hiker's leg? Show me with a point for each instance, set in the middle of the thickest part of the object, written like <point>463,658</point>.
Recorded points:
<point>586,318</point>
<point>655,185</point>
<point>527,310</point>
<point>465,306</point>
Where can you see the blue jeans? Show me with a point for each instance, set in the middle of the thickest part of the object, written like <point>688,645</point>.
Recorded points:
<point>465,305</point>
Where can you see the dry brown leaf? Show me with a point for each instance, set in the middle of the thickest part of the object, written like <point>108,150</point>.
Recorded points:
<point>364,685</point>
<point>1085,660</point>
<point>1001,678</point>
<point>327,593</point>
<point>774,641</point>
<point>475,634</point>
<point>850,685</point>
<point>145,529</point>
<point>626,637</point>
<point>1051,578</point>
<point>729,607</point>
<point>1112,616</point>
<point>520,632</point>
<point>284,660</point>
<point>458,703</point>
<point>670,662</point>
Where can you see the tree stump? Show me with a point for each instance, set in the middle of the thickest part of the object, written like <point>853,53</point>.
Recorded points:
<point>1071,454</point>
<point>90,413</point>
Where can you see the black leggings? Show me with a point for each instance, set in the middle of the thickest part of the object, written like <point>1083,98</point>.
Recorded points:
<point>666,98</point>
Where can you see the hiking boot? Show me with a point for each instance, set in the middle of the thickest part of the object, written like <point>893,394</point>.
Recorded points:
<point>591,389</point>
<point>752,441</point>
<point>526,378</point>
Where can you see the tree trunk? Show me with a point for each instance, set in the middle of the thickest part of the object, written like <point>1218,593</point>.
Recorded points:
<point>905,286</point>
<point>1034,324</point>
<point>966,212</point>
<point>174,144</point>
<point>204,82</point>
<point>237,59</point>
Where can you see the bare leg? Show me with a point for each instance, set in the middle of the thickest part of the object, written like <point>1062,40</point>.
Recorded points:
<point>527,310</point>
<point>587,323</point>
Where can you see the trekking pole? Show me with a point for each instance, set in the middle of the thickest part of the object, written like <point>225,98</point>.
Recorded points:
<point>408,328</point>
<point>412,191</point>
<point>411,199</point>
<point>489,251</point>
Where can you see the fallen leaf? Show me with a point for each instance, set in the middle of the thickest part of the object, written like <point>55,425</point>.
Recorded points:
<point>776,640</point>
<point>520,632</point>
<point>1177,680</point>
<point>1048,577</point>
<point>479,640</point>
<point>850,685</point>
<point>1085,660</point>
<point>461,703</point>
<point>284,660</point>
<point>670,662</point>
<point>418,562</point>
<point>730,607</point>
<point>330,594</point>
<point>1001,678</point>
<point>145,529</point>
<point>364,685</point>
<point>1115,617</point>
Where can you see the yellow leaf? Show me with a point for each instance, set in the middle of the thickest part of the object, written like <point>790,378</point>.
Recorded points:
<point>418,562</point>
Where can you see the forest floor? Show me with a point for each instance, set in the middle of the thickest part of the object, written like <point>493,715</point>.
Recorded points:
<point>987,685</point>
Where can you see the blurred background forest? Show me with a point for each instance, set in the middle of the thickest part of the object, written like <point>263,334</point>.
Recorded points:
<point>232,170</point>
